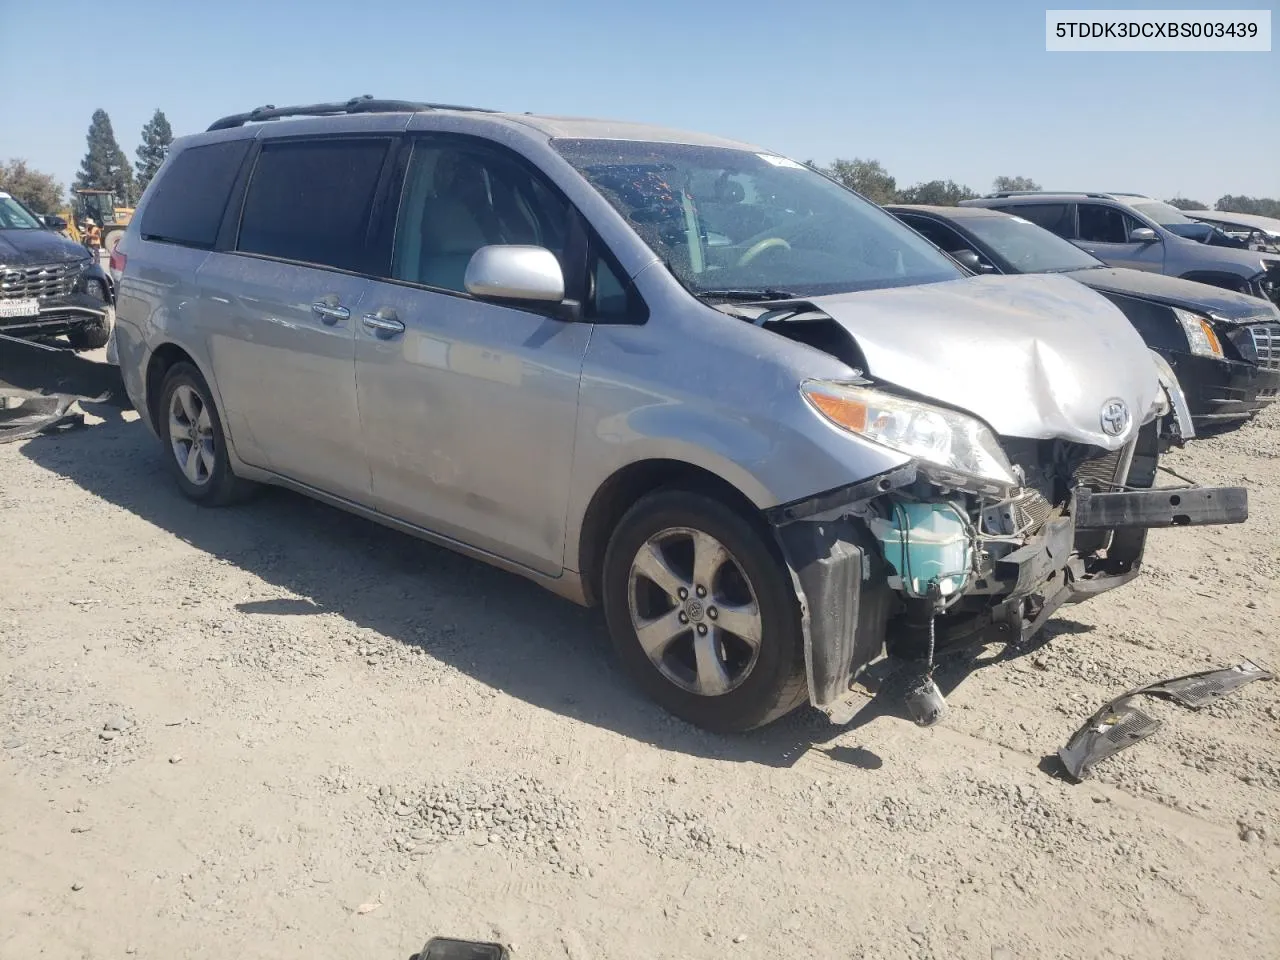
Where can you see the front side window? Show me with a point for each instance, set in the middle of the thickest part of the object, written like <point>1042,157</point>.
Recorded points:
<point>309,201</point>
<point>1025,248</point>
<point>728,220</point>
<point>938,234</point>
<point>14,216</point>
<point>460,197</point>
<point>1102,224</point>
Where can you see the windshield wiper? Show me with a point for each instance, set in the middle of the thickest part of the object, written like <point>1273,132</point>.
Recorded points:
<point>764,294</point>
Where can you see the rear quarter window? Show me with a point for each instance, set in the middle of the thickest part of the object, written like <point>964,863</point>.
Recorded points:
<point>189,199</point>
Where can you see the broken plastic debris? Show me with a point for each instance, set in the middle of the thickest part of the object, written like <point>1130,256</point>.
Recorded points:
<point>1119,724</point>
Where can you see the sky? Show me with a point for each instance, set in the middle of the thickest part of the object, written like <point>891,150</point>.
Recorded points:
<point>964,91</point>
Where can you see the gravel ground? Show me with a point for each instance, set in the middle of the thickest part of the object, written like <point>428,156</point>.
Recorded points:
<point>279,730</point>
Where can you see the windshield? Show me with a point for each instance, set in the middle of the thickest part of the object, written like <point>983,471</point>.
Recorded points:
<point>14,216</point>
<point>1026,248</point>
<point>735,221</point>
<point>1163,213</point>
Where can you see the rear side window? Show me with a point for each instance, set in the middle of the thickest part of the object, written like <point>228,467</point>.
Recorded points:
<point>1054,217</point>
<point>309,201</point>
<point>189,199</point>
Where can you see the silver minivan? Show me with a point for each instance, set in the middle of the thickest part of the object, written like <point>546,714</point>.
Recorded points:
<point>772,431</point>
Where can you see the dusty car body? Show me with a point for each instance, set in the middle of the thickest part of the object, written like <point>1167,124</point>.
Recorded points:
<point>767,427</point>
<point>1223,346</point>
<point>48,285</point>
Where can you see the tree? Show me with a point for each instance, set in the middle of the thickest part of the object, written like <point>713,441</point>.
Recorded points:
<point>1261,206</point>
<point>37,190</point>
<point>867,177</point>
<point>1003,184</point>
<point>946,193</point>
<point>104,166</point>
<point>156,137</point>
<point>1182,203</point>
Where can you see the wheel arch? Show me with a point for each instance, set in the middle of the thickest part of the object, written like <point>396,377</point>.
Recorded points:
<point>161,361</point>
<point>629,483</point>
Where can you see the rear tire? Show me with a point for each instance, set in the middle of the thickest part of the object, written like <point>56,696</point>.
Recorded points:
<point>195,446</point>
<point>111,240</point>
<point>698,661</point>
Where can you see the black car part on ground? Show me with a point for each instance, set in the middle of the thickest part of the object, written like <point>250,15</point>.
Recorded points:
<point>1119,724</point>
<point>39,385</point>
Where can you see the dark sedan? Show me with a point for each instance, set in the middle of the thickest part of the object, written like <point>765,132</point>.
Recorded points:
<point>1224,346</point>
<point>48,284</point>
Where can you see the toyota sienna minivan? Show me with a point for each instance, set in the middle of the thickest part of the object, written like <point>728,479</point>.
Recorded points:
<point>771,430</point>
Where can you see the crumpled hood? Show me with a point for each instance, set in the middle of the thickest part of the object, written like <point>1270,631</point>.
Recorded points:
<point>1034,356</point>
<point>23,248</point>
<point>1176,292</point>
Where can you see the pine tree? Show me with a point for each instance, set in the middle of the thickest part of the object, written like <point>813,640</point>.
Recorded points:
<point>156,137</point>
<point>105,166</point>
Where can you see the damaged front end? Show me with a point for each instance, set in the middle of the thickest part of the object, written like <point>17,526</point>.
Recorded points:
<point>979,546</point>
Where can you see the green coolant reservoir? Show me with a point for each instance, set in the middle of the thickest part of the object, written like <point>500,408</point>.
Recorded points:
<point>924,542</point>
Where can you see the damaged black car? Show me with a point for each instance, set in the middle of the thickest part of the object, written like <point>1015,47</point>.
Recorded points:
<point>49,286</point>
<point>1223,346</point>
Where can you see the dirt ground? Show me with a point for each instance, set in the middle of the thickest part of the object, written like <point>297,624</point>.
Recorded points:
<point>277,730</point>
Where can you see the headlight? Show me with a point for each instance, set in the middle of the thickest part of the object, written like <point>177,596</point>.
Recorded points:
<point>1200,336</point>
<point>96,288</point>
<point>958,446</point>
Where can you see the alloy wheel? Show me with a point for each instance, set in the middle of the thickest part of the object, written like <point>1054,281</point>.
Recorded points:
<point>191,434</point>
<point>694,611</point>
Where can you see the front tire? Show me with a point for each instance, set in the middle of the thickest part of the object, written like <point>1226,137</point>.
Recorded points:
<point>90,336</point>
<point>702,612</point>
<point>194,442</point>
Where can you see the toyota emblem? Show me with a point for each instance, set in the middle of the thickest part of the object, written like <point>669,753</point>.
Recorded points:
<point>1115,417</point>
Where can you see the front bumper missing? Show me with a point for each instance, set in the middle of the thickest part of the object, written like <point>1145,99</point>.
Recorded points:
<point>1148,509</point>
<point>841,579</point>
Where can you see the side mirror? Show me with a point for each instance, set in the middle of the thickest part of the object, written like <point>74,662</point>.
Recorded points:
<point>972,261</point>
<point>1142,235</point>
<point>54,222</point>
<point>515,272</point>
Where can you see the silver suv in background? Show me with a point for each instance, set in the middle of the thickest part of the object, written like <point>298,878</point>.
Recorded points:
<point>768,427</point>
<point>1132,230</point>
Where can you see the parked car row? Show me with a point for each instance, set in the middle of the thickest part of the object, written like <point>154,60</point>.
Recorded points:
<point>773,431</point>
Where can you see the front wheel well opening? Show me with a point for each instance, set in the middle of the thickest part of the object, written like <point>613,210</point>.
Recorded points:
<point>617,495</point>
<point>162,359</point>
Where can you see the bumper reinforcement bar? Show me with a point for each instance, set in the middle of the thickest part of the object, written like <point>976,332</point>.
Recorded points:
<point>1174,507</point>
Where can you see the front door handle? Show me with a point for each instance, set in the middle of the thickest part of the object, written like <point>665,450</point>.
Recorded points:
<point>330,313</point>
<point>383,323</point>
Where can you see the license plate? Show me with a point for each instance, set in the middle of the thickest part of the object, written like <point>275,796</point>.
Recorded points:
<point>19,308</point>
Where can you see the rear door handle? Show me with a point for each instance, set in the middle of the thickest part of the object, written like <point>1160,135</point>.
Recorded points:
<point>383,323</point>
<point>330,313</point>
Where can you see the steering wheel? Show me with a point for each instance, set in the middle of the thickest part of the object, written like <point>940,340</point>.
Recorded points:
<point>760,247</point>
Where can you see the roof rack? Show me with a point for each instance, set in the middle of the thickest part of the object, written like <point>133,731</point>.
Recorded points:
<point>1093,194</point>
<point>364,104</point>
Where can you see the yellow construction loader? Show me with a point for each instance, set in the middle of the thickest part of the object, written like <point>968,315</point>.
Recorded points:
<point>95,219</point>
